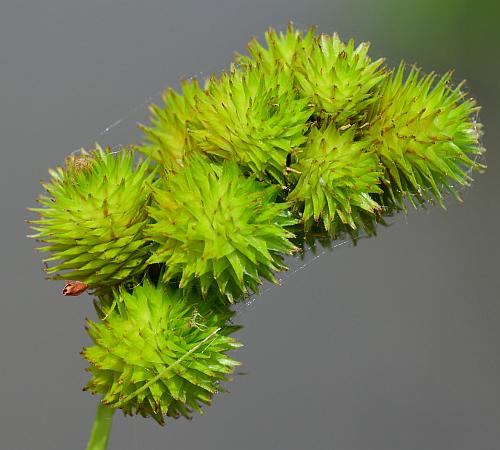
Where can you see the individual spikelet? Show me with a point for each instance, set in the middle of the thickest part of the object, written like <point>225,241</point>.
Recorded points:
<point>218,230</point>
<point>339,79</point>
<point>337,176</point>
<point>168,138</point>
<point>157,354</point>
<point>254,119</point>
<point>425,134</point>
<point>93,217</point>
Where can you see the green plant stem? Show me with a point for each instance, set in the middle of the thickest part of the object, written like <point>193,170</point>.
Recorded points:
<point>100,429</point>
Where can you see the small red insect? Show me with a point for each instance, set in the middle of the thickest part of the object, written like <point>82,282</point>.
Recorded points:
<point>74,288</point>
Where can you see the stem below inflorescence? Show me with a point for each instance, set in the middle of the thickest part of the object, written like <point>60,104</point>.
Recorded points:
<point>100,429</point>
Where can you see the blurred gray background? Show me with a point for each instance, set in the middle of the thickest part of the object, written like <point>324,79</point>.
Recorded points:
<point>390,345</point>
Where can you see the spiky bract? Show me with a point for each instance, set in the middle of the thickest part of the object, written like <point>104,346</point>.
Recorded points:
<point>157,354</point>
<point>94,216</point>
<point>217,229</point>
<point>253,118</point>
<point>425,134</point>
<point>168,138</point>
<point>337,176</point>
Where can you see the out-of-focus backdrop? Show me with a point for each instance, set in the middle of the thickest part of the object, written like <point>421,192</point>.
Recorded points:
<point>390,345</point>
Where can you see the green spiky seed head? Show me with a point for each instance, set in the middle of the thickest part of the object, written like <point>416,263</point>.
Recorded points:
<point>93,217</point>
<point>214,228</point>
<point>254,119</point>
<point>157,354</point>
<point>425,134</point>
<point>337,176</point>
<point>339,79</point>
<point>168,138</point>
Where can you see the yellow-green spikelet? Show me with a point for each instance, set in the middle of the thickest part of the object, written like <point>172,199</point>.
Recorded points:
<point>425,134</point>
<point>93,217</point>
<point>253,118</point>
<point>214,229</point>
<point>158,354</point>
<point>336,176</point>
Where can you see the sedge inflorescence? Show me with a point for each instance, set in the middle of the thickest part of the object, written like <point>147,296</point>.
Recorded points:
<point>305,138</point>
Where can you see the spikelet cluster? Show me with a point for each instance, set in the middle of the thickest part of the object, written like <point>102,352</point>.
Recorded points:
<point>337,176</point>
<point>157,354</point>
<point>93,218</point>
<point>303,139</point>
<point>338,79</point>
<point>215,228</point>
<point>425,134</point>
<point>254,119</point>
